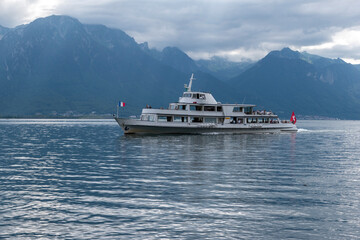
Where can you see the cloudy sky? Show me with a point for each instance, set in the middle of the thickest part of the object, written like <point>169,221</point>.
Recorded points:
<point>236,29</point>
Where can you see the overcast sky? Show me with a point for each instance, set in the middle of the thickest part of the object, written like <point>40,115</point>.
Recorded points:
<point>236,29</point>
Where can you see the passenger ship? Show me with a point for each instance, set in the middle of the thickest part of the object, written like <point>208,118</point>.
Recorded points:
<point>199,112</point>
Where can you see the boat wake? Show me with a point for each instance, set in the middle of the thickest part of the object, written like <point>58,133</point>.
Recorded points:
<point>303,130</point>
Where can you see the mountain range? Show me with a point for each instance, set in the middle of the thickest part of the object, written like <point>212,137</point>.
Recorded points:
<point>57,66</point>
<point>308,84</point>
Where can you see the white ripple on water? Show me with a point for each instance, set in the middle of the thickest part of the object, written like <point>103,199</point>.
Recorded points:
<point>303,130</point>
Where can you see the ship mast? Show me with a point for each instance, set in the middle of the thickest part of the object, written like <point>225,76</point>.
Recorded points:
<point>190,83</point>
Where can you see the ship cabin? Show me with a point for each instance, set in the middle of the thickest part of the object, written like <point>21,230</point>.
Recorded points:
<point>201,107</point>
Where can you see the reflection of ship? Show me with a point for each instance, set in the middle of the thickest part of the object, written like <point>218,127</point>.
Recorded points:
<point>199,112</point>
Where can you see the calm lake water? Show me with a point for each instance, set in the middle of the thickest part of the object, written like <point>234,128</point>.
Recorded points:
<point>83,179</point>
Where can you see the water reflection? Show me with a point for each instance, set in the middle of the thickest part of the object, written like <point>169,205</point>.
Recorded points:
<point>64,180</point>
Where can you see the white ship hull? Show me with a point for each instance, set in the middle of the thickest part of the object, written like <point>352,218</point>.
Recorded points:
<point>132,126</point>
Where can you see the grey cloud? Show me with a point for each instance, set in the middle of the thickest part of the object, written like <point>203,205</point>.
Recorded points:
<point>14,13</point>
<point>199,26</point>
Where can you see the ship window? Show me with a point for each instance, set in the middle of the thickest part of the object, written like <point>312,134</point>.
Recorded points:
<point>182,107</point>
<point>172,106</point>
<point>195,108</point>
<point>274,120</point>
<point>236,120</point>
<point>209,108</point>
<point>210,120</point>
<point>187,95</point>
<point>237,109</point>
<point>165,118</point>
<point>252,120</point>
<point>151,118</point>
<point>180,119</point>
<point>196,119</point>
<point>221,120</point>
<point>248,110</point>
<point>219,109</point>
<point>198,96</point>
<point>162,118</point>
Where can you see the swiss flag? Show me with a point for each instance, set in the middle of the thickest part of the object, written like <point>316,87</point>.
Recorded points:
<point>293,118</point>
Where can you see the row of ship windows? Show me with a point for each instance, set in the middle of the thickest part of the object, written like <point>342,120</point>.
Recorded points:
<point>236,120</point>
<point>151,118</point>
<point>247,110</point>
<point>197,108</point>
<point>233,120</point>
<point>195,95</point>
<point>190,119</point>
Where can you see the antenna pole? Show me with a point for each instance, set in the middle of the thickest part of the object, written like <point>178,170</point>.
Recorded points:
<point>190,83</point>
<point>117,110</point>
<point>244,100</point>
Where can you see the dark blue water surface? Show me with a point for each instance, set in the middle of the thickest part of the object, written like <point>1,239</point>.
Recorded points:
<point>83,179</point>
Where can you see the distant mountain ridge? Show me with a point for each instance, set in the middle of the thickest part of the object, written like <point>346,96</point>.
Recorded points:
<point>310,85</point>
<point>173,57</point>
<point>219,67</point>
<point>3,31</point>
<point>223,68</point>
<point>357,66</point>
<point>57,66</point>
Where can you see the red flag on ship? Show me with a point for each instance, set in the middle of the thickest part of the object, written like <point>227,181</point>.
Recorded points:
<point>293,118</point>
